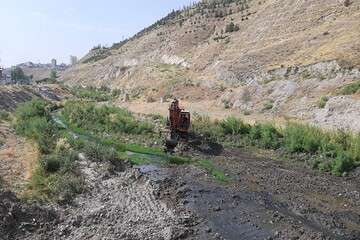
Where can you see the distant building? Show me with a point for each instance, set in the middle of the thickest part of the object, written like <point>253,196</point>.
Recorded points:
<point>73,60</point>
<point>53,63</point>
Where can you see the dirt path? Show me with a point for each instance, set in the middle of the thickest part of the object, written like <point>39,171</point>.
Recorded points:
<point>18,158</point>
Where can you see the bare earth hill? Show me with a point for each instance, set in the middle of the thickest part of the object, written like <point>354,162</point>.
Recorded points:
<point>261,58</point>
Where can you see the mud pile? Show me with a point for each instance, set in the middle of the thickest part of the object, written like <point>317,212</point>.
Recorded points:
<point>18,220</point>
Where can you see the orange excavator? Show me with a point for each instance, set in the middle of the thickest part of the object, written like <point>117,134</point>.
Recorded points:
<point>178,120</point>
<point>178,123</point>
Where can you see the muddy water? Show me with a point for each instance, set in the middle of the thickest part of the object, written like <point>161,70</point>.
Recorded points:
<point>228,214</point>
<point>238,210</point>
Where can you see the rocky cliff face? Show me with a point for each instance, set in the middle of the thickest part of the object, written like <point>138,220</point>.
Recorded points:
<point>270,57</point>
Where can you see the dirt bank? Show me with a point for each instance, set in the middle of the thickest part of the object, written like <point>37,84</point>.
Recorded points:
<point>18,158</point>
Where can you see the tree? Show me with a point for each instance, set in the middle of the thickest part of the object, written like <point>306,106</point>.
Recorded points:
<point>17,74</point>
<point>53,75</point>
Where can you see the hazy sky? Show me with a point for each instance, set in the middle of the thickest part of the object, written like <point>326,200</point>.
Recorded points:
<point>38,30</point>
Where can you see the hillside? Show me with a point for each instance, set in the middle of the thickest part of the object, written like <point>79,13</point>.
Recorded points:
<point>277,58</point>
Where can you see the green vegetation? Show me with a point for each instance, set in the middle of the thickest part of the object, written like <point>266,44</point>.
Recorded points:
<point>323,101</point>
<point>18,75</point>
<point>268,106</point>
<point>4,116</point>
<point>33,121</point>
<point>216,173</point>
<point>350,89</point>
<point>335,152</point>
<point>103,119</point>
<point>234,126</point>
<point>102,94</point>
<point>53,76</point>
<point>55,177</point>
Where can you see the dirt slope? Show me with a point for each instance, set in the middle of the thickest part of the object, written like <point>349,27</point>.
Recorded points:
<point>12,95</point>
<point>285,56</point>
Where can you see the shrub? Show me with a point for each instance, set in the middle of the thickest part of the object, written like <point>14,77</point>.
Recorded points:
<point>323,101</point>
<point>60,161</point>
<point>350,88</point>
<point>343,163</point>
<point>355,148</point>
<point>270,137</point>
<point>204,126</point>
<point>4,116</point>
<point>103,119</point>
<point>34,108</point>
<point>33,121</point>
<point>67,186</point>
<point>231,27</point>
<point>96,94</point>
<point>234,126</point>
<point>50,163</point>
<point>268,106</point>
<point>266,136</point>
<point>99,153</point>
<point>302,138</point>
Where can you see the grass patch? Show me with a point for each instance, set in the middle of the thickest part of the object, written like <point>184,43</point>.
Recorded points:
<point>33,121</point>
<point>234,126</point>
<point>350,89</point>
<point>55,177</point>
<point>103,119</point>
<point>102,94</point>
<point>336,152</point>
<point>213,171</point>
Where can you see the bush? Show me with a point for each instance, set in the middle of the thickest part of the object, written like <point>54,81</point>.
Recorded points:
<point>343,163</point>
<point>99,153</point>
<point>50,163</point>
<point>268,106</point>
<point>323,101</point>
<point>100,119</point>
<point>34,108</point>
<point>102,94</point>
<point>61,161</point>
<point>67,186</point>
<point>270,137</point>
<point>204,126</point>
<point>4,116</point>
<point>234,126</point>
<point>350,89</point>
<point>302,138</point>
<point>231,27</point>
<point>33,121</point>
